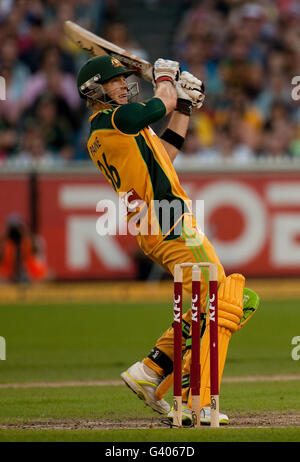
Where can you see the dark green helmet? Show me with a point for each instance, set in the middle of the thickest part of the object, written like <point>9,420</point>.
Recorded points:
<point>97,71</point>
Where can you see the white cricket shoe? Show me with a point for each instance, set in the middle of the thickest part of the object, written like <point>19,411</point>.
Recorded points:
<point>204,416</point>
<point>144,385</point>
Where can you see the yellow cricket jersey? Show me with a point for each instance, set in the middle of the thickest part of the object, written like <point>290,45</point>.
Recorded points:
<point>135,162</point>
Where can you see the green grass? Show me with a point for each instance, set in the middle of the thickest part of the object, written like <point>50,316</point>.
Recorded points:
<point>68,342</point>
<point>263,346</point>
<point>19,405</point>
<point>95,342</point>
<point>247,435</point>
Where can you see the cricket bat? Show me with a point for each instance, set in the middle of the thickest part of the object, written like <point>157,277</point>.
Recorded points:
<point>97,46</point>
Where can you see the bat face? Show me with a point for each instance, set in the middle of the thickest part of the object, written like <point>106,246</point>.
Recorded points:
<point>97,46</point>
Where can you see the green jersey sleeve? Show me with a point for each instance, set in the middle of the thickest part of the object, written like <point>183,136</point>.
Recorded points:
<point>133,117</point>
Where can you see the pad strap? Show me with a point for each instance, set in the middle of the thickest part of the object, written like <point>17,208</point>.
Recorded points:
<point>162,360</point>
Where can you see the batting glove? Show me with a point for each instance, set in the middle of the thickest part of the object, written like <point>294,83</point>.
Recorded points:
<point>165,69</point>
<point>191,89</point>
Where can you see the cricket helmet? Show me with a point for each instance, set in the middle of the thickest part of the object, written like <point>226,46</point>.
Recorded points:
<point>97,71</point>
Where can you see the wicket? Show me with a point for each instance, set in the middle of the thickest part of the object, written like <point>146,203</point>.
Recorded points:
<point>195,371</point>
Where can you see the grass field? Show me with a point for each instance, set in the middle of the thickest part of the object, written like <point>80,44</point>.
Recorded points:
<point>60,380</point>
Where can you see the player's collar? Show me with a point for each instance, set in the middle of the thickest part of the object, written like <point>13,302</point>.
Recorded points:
<point>94,115</point>
<point>98,112</point>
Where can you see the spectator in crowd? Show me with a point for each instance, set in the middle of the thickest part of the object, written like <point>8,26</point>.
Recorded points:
<point>33,149</point>
<point>32,41</point>
<point>22,258</point>
<point>191,150</point>
<point>52,78</point>
<point>275,144</point>
<point>16,75</point>
<point>277,89</point>
<point>248,145</point>
<point>117,32</point>
<point>8,140</point>
<point>192,154</point>
<point>51,115</point>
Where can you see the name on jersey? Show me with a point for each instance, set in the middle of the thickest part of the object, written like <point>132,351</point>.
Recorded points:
<point>95,146</point>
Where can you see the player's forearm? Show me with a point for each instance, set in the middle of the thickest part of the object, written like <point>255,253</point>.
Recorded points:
<point>178,124</point>
<point>166,92</point>
<point>190,94</point>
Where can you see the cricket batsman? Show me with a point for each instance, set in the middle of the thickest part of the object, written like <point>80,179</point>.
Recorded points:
<point>139,166</point>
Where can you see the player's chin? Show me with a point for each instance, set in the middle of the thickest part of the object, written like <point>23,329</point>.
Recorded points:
<point>123,99</point>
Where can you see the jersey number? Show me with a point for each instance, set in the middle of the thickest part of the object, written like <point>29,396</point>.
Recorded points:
<point>110,172</point>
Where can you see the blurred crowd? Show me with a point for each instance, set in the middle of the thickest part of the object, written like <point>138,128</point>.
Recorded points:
<point>245,52</point>
<point>40,119</point>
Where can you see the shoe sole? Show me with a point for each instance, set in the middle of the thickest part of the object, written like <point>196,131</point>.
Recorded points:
<point>187,422</point>
<point>141,393</point>
<point>221,422</point>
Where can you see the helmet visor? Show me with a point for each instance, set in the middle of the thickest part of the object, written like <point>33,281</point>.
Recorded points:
<point>94,90</point>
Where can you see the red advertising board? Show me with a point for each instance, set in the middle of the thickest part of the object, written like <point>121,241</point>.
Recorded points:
<point>68,219</point>
<point>253,220</point>
<point>14,198</point>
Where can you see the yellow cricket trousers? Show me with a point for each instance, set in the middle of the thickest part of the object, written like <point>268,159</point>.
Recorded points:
<point>191,246</point>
